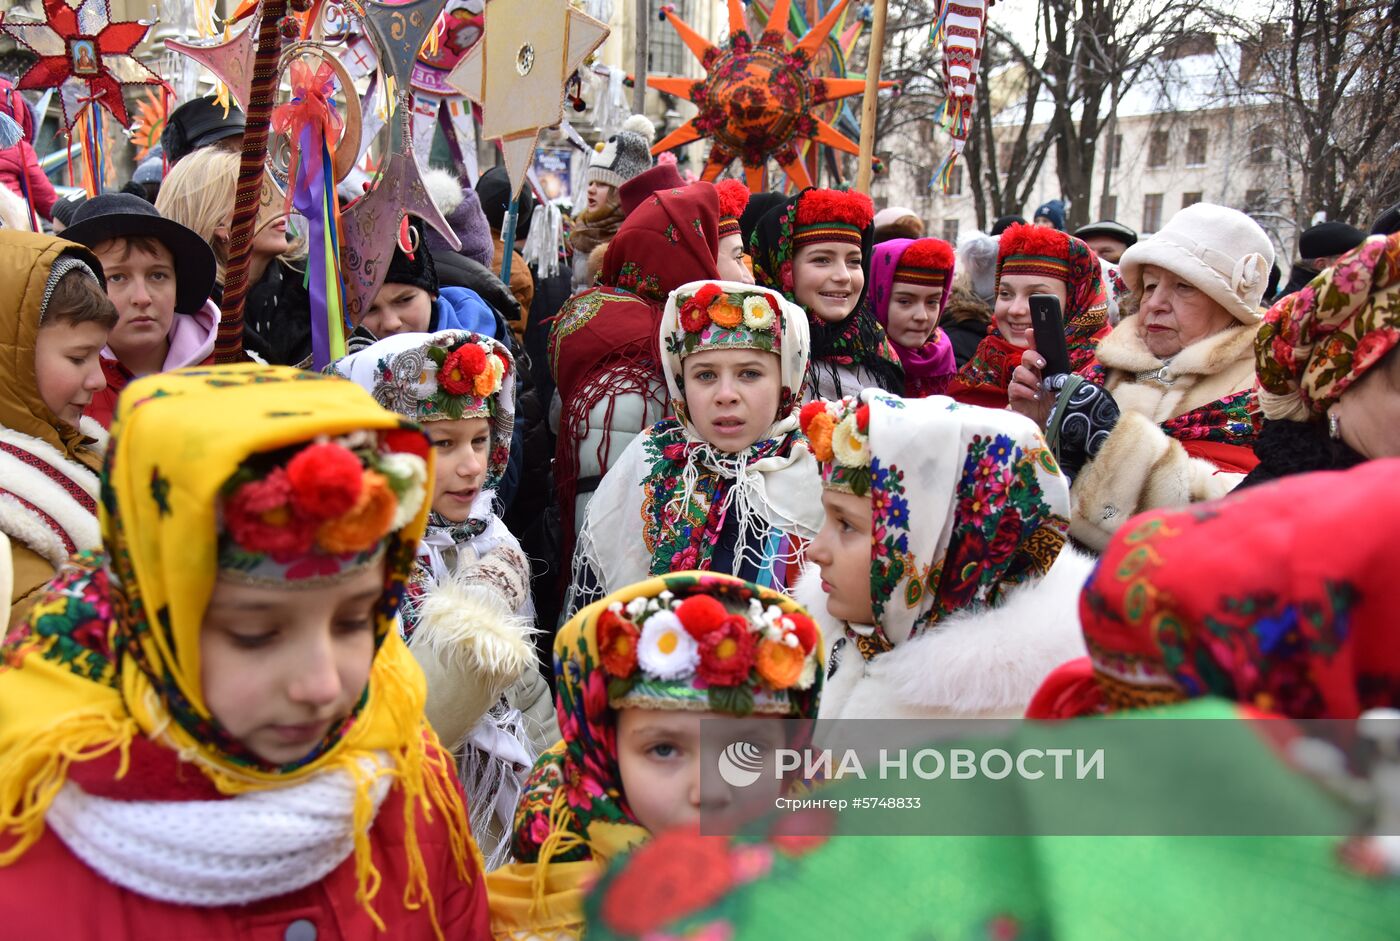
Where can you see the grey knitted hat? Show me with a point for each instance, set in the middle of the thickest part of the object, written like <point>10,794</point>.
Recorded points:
<point>627,153</point>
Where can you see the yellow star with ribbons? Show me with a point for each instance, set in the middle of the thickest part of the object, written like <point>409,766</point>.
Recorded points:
<point>516,73</point>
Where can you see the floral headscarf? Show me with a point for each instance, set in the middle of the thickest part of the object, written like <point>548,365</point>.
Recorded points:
<point>928,369</point>
<point>112,653</point>
<point>965,504</point>
<point>671,238</point>
<point>1314,344</point>
<point>858,341</point>
<point>574,807</point>
<point>1260,598</point>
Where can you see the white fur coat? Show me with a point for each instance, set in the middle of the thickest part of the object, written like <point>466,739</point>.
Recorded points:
<point>986,663</point>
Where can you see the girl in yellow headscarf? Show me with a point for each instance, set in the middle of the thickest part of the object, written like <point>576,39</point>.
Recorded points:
<point>211,727</point>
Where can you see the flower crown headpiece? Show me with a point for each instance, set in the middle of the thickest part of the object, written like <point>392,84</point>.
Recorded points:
<point>459,377</point>
<point>713,318</point>
<point>838,434</point>
<point>696,654</point>
<point>321,510</point>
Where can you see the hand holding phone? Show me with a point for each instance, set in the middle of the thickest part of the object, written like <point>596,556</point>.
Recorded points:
<point>1048,323</point>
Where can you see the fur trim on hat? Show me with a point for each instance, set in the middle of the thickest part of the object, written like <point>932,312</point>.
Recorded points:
<point>845,206</point>
<point>444,188</point>
<point>733,198</point>
<point>930,253</point>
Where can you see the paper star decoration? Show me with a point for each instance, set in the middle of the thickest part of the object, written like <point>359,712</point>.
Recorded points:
<point>758,100</point>
<point>81,48</point>
<point>830,60</point>
<point>518,70</point>
<point>231,60</point>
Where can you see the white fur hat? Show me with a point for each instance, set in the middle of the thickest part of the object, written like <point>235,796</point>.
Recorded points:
<point>1219,250</point>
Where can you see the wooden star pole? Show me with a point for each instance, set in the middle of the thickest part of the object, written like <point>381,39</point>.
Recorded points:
<point>228,348</point>
<point>872,90</point>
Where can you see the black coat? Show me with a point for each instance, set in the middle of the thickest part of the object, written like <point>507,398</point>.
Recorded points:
<point>1285,448</point>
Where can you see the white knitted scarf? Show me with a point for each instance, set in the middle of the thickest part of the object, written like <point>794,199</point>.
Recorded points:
<point>217,852</point>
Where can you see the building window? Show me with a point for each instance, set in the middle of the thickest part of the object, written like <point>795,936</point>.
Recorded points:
<point>1151,213</point>
<point>1189,199</point>
<point>1108,207</point>
<point>1261,151</point>
<point>1255,200</point>
<point>955,181</point>
<point>1116,150</point>
<point>1196,147</point>
<point>950,231</point>
<point>1157,149</point>
<point>666,54</point>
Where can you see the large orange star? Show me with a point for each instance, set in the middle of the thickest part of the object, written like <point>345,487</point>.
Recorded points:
<point>758,99</point>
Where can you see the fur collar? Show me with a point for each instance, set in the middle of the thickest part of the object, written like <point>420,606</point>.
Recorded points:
<point>988,662</point>
<point>1124,349</point>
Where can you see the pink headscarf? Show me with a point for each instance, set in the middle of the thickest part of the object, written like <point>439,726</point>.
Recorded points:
<point>928,369</point>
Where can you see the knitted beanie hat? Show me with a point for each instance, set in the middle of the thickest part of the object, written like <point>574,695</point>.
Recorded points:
<point>626,154</point>
<point>832,216</point>
<point>733,200</point>
<point>461,208</point>
<point>1034,250</point>
<point>415,268</point>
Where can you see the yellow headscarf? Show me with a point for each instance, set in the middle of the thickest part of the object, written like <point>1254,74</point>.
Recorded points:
<point>67,696</point>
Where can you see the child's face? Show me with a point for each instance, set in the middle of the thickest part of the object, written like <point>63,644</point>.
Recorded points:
<point>914,311</point>
<point>730,263</point>
<point>141,285</point>
<point>399,308</point>
<point>732,395</point>
<point>599,193</point>
<point>280,667</point>
<point>659,756</point>
<point>463,450</point>
<point>68,368</point>
<point>1013,308</point>
<point>827,279</point>
<point>842,552</point>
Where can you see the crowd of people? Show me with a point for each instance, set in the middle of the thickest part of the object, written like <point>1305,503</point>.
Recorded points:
<point>419,645</point>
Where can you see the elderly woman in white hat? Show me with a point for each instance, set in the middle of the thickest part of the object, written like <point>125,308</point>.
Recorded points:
<point>1167,413</point>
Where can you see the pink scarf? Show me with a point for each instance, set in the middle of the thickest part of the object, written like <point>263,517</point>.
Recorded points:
<point>928,369</point>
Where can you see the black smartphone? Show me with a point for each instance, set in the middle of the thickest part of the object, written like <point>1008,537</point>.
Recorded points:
<point>1049,325</point>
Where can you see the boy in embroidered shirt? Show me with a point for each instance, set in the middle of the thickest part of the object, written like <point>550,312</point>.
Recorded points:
<point>223,684</point>
<point>726,485</point>
<point>635,675</point>
<point>53,321</point>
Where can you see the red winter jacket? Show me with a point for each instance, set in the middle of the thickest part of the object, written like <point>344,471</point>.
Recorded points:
<point>50,893</point>
<point>21,161</point>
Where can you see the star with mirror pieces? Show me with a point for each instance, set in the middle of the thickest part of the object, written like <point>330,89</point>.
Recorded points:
<point>516,73</point>
<point>82,46</point>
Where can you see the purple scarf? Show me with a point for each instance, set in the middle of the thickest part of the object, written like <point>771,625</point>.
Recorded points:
<point>928,369</point>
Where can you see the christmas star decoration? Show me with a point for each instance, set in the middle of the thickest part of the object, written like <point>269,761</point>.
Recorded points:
<point>230,60</point>
<point>81,49</point>
<point>517,72</point>
<point>830,60</point>
<point>758,99</point>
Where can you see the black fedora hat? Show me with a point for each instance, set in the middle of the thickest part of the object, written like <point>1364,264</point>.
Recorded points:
<point>123,215</point>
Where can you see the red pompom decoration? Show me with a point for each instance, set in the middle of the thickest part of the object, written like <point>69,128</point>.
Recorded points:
<point>810,411</point>
<point>707,294</point>
<point>863,419</point>
<point>929,253</point>
<point>805,629</point>
<point>407,441</point>
<point>727,653</point>
<point>700,614</point>
<point>1025,239</point>
<point>733,198</point>
<point>459,371</point>
<point>326,480</point>
<point>848,206</point>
